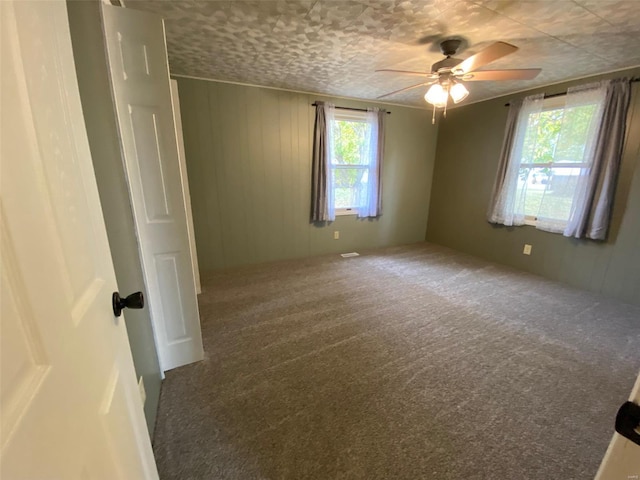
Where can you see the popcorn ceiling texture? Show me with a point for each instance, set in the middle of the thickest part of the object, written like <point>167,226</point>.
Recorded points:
<point>334,46</point>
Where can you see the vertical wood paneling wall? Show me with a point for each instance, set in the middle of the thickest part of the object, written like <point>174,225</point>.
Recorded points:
<point>248,152</point>
<point>469,143</point>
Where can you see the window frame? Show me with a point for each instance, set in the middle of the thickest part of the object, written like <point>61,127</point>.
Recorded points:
<point>551,103</point>
<point>351,116</point>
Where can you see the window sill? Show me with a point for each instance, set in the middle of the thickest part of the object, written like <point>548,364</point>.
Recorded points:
<point>345,211</point>
<point>547,226</point>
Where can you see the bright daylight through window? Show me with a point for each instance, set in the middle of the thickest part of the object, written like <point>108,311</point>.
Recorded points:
<point>555,140</point>
<point>351,161</point>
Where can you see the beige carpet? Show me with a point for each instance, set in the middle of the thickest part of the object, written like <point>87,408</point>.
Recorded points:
<point>413,362</point>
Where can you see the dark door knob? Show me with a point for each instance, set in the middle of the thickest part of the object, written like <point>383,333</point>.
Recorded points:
<point>135,300</point>
<point>628,422</point>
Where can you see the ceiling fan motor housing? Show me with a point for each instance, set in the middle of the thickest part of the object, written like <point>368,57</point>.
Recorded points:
<point>450,47</point>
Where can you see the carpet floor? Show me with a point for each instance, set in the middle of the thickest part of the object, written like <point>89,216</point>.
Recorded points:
<point>412,362</point>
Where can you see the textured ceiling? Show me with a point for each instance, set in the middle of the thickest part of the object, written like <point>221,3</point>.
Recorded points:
<point>334,46</point>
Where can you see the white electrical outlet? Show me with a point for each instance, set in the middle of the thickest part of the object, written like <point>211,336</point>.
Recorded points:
<point>527,249</point>
<point>336,235</point>
<point>143,392</point>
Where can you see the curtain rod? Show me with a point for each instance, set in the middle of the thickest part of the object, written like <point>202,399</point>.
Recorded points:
<point>551,95</point>
<point>314,104</point>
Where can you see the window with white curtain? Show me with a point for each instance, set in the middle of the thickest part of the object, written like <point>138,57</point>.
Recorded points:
<point>559,161</point>
<point>556,141</point>
<point>353,170</point>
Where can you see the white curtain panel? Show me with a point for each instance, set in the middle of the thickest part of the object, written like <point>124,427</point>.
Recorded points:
<point>508,202</point>
<point>369,204</point>
<point>330,115</point>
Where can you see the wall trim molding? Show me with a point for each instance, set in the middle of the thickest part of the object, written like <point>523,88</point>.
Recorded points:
<point>191,77</point>
<point>540,87</point>
<point>426,108</point>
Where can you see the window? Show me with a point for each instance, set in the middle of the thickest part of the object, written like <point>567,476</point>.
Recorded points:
<point>560,160</point>
<point>554,156</point>
<point>351,163</point>
<point>346,166</point>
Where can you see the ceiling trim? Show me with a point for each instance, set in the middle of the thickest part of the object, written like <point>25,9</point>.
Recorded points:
<point>540,87</point>
<point>362,100</point>
<point>425,108</point>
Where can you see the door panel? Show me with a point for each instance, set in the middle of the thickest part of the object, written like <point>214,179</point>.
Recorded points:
<point>168,274</point>
<point>148,147</point>
<point>115,405</point>
<point>140,81</point>
<point>23,360</point>
<point>61,344</point>
<point>134,58</point>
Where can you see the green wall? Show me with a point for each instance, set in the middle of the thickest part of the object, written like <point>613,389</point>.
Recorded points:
<point>469,144</point>
<point>95,93</point>
<point>248,152</point>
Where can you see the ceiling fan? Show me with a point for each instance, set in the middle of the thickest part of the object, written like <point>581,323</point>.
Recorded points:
<point>446,75</point>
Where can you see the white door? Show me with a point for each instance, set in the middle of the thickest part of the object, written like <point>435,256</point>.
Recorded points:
<point>70,407</point>
<point>140,79</point>
<point>622,460</point>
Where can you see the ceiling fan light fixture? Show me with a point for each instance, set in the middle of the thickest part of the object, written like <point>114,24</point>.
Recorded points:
<point>450,71</point>
<point>458,92</point>
<point>436,95</point>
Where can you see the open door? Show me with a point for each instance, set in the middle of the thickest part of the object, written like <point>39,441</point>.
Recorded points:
<point>622,459</point>
<point>70,402</point>
<point>137,59</point>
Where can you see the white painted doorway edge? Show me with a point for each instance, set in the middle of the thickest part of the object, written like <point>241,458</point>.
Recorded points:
<point>177,118</point>
<point>622,458</point>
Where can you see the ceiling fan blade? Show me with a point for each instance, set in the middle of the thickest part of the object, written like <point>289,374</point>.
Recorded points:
<point>518,74</point>
<point>407,72</point>
<point>491,53</point>
<point>403,89</point>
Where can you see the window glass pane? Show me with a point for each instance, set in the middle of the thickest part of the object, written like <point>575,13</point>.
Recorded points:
<point>541,137</point>
<point>350,186</point>
<point>349,142</point>
<point>559,135</point>
<point>558,194</point>
<point>576,131</point>
<point>547,192</point>
<point>530,190</point>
